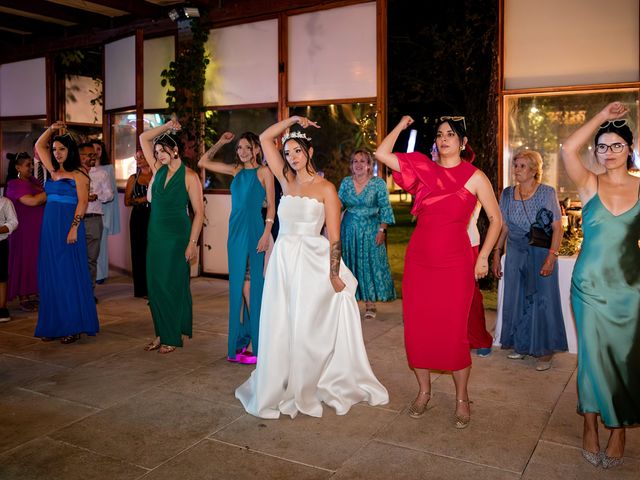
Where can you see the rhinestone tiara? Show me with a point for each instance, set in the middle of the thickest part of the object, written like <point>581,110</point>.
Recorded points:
<point>295,134</point>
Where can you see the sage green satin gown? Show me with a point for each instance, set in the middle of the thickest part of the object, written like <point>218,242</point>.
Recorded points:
<point>167,269</point>
<point>605,295</point>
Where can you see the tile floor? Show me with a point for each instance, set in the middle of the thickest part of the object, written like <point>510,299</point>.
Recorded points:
<point>102,408</point>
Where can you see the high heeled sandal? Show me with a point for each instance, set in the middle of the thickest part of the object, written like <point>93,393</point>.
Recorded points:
<point>70,339</point>
<point>611,462</point>
<point>166,349</point>
<point>151,347</point>
<point>594,459</point>
<point>462,421</point>
<point>418,410</point>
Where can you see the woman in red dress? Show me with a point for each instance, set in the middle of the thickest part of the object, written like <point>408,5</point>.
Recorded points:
<point>440,271</point>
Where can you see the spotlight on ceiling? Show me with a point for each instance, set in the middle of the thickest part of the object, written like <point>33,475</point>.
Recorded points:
<point>183,13</point>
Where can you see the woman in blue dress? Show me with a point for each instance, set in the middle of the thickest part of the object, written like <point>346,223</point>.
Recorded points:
<point>532,321</point>
<point>67,307</point>
<point>249,238</point>
<point>367,215</point>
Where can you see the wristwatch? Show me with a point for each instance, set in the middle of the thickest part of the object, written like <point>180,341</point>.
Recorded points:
<point>555,253</point>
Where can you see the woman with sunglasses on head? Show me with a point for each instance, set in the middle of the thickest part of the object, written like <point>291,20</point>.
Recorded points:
<point>249,238</point>
<point>440,271</point>
<point>367,214</point>
<point>172,236</point>
<point>605,287</point>
<point>28,198</point>
<point>311,346</point>
<point>67,307</point>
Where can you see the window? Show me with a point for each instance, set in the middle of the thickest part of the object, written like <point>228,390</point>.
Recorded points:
<point>18,136</point>
<point>541,122</point>
<point>236,121</point>
<point>344,128</point>
<point>124,141</point>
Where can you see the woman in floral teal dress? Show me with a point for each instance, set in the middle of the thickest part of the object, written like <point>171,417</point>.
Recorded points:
<point>367,213</point>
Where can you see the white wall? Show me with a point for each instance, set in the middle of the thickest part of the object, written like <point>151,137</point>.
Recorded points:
<point>23,88</point>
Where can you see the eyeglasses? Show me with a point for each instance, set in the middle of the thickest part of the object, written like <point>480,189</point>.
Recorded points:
<point>614,147</point>
<point>621,122</point>
<point>455,119</point>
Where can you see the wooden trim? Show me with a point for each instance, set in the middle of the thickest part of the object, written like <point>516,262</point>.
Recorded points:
<point>50,78</point>
<point>129,108</point>
<point>381,76</point>
<point>139,84</point>
<point>241,106</point>
<point>283,66</point>
<point>106,118</point>
<point>24,117</point>
<point>500,86</point>
<point>571,88</point>
<point>81,124</point>
<point>326,6</point>
<point>332,101</point>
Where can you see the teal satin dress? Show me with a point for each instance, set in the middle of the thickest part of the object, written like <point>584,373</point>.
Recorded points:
<point>605,295</point>
<point>246,226</point>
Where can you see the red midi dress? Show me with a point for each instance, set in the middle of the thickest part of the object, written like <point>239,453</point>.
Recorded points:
<point>438,282</point>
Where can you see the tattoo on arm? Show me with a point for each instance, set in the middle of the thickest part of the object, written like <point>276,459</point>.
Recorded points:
<point>335,256</point>
<point>76,220</point>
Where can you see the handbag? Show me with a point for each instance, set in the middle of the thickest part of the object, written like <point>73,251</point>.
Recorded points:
<point>538,237</point>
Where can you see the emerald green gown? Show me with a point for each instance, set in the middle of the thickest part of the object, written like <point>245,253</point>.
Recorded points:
<point>167,270</point>
<point>605,295</point>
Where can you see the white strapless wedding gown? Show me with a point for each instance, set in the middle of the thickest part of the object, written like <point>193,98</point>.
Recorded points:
<point>311,346</point>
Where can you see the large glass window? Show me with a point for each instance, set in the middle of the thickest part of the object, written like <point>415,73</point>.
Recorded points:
<point>18,136</point>
<point>236,121</point>
<point>344,128</point>
<point>124,141</point>
<point>542,122</point>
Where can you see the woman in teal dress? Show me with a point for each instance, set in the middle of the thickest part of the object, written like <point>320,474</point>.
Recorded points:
<point>367,215</point>
<point>249,238</point>
<point>605,287</point>
<point>172,237</point>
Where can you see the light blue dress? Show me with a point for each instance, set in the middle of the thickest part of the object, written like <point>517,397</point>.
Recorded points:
<point>532,321</point>
<point>364,212</point>
<point>246,226</point>
<point>110,225</point>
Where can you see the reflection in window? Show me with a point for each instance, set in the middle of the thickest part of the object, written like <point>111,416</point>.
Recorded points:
<point>344,128</point>
<point>124,141</point>
<point>18,136</point>
<point>236,121</point>
<point>542,122</point>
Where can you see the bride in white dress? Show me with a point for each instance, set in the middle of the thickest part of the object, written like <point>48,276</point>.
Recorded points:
<point>311,346</point>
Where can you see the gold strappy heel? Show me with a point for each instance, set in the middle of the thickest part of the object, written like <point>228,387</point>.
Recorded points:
<point>462,421</point>
<point>417,410</point>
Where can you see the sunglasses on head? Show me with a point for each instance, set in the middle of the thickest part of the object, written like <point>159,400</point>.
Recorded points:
<point>621,122</point>
<point>455,119</point>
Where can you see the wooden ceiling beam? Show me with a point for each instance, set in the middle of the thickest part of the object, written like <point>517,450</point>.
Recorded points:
<point>134,7</point>
<point>36,27</point>
<point>57,11</point>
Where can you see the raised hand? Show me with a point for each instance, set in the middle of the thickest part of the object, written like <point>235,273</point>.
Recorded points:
<point>226,137</point>
<point>173,125</point>
<point>59,125</point>
<point>304,122</point>
<point>615,110</point>
<point>405,122</point>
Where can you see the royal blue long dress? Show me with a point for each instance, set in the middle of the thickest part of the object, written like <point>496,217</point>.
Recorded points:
<point>67,306</point>
<point>246,226</point>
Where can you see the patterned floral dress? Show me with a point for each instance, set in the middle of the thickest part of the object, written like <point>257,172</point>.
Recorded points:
<point>364,212</point>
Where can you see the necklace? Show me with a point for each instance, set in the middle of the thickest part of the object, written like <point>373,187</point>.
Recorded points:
<point>524,194</point>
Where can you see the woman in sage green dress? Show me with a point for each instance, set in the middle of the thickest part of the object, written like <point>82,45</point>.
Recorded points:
<point>367,214</point>
<point>249,239</point>
<point>605,287</point>
<point>172,237</point>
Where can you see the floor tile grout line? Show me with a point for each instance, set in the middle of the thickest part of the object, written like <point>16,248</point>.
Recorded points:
<point>79,447</point>
<point>267,454</point>
<point>66,400</point>
<point>441,455</point>
<point>12,355</point>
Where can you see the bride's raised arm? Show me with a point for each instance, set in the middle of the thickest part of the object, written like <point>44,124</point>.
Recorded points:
<point>269,148</point>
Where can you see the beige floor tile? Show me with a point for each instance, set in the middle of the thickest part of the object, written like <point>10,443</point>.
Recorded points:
<point>149,428</point>
<point>552,461</point>
<point>211,459</point>
<point>379,461</point>
<point>500,435</point>
<point>325,442</point>
<point>110,380</point>
<point>27,415</point>
<point>11,342</point>
<point>16,371</point>
<point>565,427</point>
<point>47,459</point>
<point>87,349</point>
<point>21,323</point>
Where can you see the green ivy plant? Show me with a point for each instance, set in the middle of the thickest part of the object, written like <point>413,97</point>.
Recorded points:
<point>186,80</point>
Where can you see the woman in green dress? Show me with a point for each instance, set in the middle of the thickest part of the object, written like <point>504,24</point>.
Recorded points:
<point>172,236</point>
<point>605,287</point>
<point>249,239</point>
